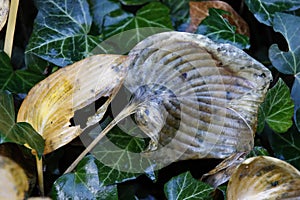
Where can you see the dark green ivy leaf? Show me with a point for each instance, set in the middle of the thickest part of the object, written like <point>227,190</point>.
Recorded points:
<point>185,186</point>
<point>135,2</point>
<point>264,10</point>
<point>120,154</point>
<point>85,183</point>
<point>277,109</point>
<point>217,28</point>
<point>16,81</point>
<point>152,15</point>
<point>99,9</point>
<point>296,97</point>
<point>287,146</point>
<point>61,31</point>
<point>287,62</point>
<point>19,133</point>
<point>179,10</point>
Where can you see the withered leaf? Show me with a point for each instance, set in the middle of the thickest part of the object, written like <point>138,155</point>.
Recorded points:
<point>199,11</point>
<point>264,177</point>
<point>51,104</point>
<point>13,180</point>
<point>4,10</point>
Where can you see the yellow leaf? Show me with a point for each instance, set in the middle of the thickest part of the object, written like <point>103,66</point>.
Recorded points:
<point>51,104</point>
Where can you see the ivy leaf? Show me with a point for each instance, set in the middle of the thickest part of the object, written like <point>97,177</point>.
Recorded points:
<point>296,97</point>
<point>277,109</point>
<point>152,15</point>
<point>179,10</point>
<point>217,28</point>
<point>84,183</point>
<point>287,146</point>
<point>264,10</point>
<point>286,62</point>
<point>105,6</point>
<point>19,81</point>
<point>120,153</point>
<point>185,186</point>
<point>60,33</point>
<point>135,2</point>
<point>19,133</point>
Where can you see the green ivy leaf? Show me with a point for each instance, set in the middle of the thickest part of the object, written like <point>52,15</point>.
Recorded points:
<point>16,81</point>
<point>179,10</point>
<point>264,10</point>
<point>152,15</point>
<point>135,2</point>
<point>19,133</point>
<point>99,9</point>
<point>287,146</point>
<point>185,186</point>
<point>296,98</point>
<point>60,33</point>
<point>277,109</point>
<point>120,154</point>
<point>84,183</point>
<point>217,28</point>
<point>287,62</point>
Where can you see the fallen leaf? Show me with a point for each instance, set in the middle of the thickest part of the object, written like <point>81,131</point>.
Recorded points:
<point>192,97</point>
<point>4,10</point>
<point>51,104</point>
<point>13,180</point>
<point>195,98</point>
<point>199,11</point>
<point>264,177</point>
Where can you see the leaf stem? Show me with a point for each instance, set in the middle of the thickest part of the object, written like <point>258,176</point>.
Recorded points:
<point>128,110</point>
<point>11,25</point>
<point>39,165</point>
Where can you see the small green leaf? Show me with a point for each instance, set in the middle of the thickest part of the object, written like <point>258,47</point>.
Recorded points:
<point>152,15</point>
<point>277,109</point>
<point>287,62</point>
<point>19,81</point>
<point>135,2</point>
<point>60,33</point>
<point>264,10</point>
<point>258,151</point>
<point>19,133</point>
<point>185,186</point>
<point>287,146</point>
<point>84,183</point>
<point>217,28</point>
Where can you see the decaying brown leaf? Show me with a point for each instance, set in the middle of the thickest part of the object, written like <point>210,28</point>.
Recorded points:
<point>13,180</point>
<point>264,177</point>
<point>51,104</point>
<point>4,10</point>
<point>199,11</point>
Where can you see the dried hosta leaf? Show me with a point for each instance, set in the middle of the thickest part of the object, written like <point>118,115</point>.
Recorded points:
<point>51,104</point>
<point>199,11</point>
<point>13,180</point>
<point>264,177</point>
<point>4,9</point>
<point>195,98</point>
